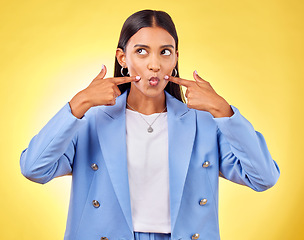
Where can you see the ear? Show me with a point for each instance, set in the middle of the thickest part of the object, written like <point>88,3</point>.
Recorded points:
<point>121,57</point>
<point>176,56</point>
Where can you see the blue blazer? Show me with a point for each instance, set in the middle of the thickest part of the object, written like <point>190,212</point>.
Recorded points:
<point>93,150</point>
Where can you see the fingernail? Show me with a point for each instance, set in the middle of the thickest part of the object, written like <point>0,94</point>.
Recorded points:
<point>102,67</point>
<point>166,77</point>
<point>195,72</point>
<point>137,78</point>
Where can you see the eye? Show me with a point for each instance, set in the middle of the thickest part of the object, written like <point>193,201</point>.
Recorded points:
<point>166,52</point>
<point>141,51</point>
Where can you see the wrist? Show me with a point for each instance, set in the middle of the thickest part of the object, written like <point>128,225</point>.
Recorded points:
<point>221,109</point>
<point>80,104</point>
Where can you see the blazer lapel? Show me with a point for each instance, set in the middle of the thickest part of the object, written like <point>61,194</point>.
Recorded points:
<point>111,130</point>
<point>181,131</point>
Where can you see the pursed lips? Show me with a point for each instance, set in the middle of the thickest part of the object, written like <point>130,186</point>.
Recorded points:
<point>153,81</point>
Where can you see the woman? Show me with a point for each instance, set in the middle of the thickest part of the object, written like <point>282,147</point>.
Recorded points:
<point>144,164</point>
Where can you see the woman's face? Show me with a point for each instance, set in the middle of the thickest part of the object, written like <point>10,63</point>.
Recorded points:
<point>151,54</point>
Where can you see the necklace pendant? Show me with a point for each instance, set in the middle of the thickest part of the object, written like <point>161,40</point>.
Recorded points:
<point>150,129</point>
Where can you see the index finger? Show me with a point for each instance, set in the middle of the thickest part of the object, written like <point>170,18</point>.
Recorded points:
<point>180,81</point>
<point>122,80</point>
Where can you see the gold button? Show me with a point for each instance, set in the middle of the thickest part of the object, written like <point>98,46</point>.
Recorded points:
<point>203,202</point>
<point>94,166</point>
<point>103,238</point>
<point>95,203</point>
<point>195,236</point>
<point>206,164</point>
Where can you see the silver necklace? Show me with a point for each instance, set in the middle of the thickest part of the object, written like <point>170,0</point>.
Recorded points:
<point>149,129</point>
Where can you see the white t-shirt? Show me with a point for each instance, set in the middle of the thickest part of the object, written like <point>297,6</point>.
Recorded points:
<point>148,171</point>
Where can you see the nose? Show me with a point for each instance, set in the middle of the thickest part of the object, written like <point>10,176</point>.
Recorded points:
<point>154,63</point>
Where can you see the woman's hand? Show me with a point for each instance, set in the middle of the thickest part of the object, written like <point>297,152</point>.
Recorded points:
<point>201,96</point>
<point>100,92</point>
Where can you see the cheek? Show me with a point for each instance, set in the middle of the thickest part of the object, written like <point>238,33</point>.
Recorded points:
<point>169,67</point>
<point>135,66</point>
<point>169,63</point>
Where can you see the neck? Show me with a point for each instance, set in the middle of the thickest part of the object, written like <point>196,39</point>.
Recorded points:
<point>145,104</point>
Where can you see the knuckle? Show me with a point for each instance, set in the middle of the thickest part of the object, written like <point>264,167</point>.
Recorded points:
<point>109,97</point>
<point>110,82</point>
<point>191,84</point>
<point>111,91</point>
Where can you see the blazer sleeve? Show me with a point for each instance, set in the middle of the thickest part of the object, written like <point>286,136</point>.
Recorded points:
<point>244,156</point>
<point>50,153</point>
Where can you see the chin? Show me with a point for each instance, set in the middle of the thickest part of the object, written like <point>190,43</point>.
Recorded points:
<point>156,90</point>
<point>154,93</point>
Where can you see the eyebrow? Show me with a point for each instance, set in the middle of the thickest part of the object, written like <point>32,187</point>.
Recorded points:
<point>146,46</point>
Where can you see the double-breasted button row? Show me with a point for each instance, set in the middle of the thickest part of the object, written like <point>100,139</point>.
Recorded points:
<point>95,203</point>
<point>203,201</point>
<point>195,236</point>
<point>94,166</point>
<point>206,164</point>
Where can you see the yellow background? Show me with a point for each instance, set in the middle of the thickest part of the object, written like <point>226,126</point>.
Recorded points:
<point>250,51</point>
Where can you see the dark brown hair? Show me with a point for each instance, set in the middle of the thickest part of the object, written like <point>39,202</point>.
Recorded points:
<point>141,19</point>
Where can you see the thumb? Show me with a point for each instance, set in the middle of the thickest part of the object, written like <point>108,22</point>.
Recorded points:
<point>102,73</point>
<point>198,78</point>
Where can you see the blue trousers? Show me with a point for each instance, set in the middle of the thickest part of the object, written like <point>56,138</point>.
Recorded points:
<point>152,236</point>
